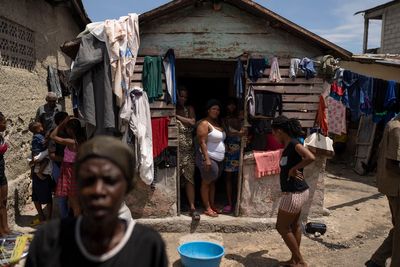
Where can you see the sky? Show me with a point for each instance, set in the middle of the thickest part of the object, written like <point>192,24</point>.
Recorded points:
<point>331,19</point>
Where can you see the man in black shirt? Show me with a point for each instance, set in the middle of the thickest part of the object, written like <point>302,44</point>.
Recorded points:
<point>104,171</point>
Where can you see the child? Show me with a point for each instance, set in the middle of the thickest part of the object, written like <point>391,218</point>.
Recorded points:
<point>41,171</point>
<point>39,150</point>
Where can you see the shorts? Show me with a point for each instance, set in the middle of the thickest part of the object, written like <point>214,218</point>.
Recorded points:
<point>41,189</point>
<point>232,154</point>
<point>3,178</point>
<point>215,171</point>
<point>293,202</point>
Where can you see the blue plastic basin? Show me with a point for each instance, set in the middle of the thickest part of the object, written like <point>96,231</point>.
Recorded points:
<point>201,254</point>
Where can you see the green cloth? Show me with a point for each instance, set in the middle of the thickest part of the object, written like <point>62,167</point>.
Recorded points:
<point>152,77</point>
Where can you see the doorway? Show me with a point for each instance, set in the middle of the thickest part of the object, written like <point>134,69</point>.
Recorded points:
<point>205,80</point>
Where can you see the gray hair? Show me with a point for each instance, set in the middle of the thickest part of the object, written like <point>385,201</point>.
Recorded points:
<point>51,96</point>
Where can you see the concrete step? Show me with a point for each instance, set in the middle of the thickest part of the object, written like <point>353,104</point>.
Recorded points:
<point>221,224</point>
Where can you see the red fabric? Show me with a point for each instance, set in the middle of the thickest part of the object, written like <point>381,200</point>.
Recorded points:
<point>67,184</point>
<point>322,120</point>
<point>267,163</point>
<point>159,129</point>
<point>3,148</point>
<point>272,143</point>
<point>335,88</point>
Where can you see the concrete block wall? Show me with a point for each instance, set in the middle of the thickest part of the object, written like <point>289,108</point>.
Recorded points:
<point>23,91</point>
<point>391,31</point>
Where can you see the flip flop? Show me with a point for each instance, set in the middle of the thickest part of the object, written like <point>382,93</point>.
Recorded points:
<point>227,209</point>
<point>211,213</point>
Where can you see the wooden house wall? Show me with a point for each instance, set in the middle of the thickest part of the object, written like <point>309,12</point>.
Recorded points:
<point>201,32</point>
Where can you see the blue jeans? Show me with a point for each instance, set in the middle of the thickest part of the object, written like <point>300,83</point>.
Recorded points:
<point>63,206</point>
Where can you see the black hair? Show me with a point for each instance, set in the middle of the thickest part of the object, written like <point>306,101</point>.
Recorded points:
<point>182,88</point>
<point>33,126</point>
<point>291,127</point>
<point>76,127</point>
<point>60,116</point>
<point>213,102</point>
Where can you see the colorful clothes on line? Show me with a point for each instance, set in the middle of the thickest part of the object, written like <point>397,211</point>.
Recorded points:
<point>152,78</point>
<point>169,68</point>
<point>159,130</point>
<point>336,116</point>
<point>274,74</point>
<point>267,163</point>
<point>256,68</point>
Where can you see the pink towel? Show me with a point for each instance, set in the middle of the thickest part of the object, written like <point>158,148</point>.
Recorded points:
<point>267,163</point>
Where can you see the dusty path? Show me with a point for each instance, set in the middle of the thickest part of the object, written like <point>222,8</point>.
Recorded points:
<point>358,223</point>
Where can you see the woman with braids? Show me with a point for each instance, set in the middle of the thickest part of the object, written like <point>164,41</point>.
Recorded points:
<point>295,189</point>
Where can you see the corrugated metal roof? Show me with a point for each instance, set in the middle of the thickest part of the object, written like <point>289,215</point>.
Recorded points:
<point>378,7</point>
<point>385,59</point>
<point>257,10</point>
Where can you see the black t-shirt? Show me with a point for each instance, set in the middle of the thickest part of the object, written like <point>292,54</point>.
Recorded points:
<point>57,244</point>
<point>291,158</point>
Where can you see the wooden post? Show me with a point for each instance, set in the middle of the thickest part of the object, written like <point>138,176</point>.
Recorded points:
<point>365,41</point>
<point>242,144</point>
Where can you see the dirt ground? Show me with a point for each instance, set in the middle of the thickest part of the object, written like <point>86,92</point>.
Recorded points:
<point>358,223</point>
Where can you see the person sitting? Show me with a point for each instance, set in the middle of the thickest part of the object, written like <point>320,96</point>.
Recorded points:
<point>105,174</point>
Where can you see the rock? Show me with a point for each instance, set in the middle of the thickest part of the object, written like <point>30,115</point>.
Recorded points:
<point>317,234</point>
<point>326,212</point>
<point>360,236</point>
<point>357,209</point>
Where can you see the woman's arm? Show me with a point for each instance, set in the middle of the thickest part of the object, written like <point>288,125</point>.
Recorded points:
<point>59,140</point>
<point>191,121</point>
<point>307,156</point>
<point>202,133</point>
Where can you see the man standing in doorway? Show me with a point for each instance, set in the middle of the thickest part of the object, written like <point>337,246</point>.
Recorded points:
<point>388,178</point>
<point>45,114</point>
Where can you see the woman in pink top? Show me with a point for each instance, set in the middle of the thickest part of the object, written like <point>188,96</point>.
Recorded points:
<point>66,186</point>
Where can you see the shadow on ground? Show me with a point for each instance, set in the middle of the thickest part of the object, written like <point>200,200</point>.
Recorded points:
<point>255,259</point>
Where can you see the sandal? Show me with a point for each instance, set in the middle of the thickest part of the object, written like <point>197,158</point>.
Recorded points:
<point>35,222</point>
<point>227,209</point>
<point>217,211</point>
<point>210,213</point>
<point>195,215</point>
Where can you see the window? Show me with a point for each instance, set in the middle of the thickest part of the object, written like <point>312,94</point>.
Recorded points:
<point>17,45</point>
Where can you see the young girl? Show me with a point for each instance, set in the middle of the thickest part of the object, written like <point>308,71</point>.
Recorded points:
<point>66,186</point>
<point>295,189</point>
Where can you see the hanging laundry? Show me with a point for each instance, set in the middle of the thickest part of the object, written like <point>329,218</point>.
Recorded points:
<point>268,103</point>
<point>378,102</point>
<point>250,100</point>
<point>91,78</point>
<point>338,77</point>
<point>351,96</point>
<point>307,65</point>
<point>66,88</point>
<point>123,42</point>
<point>366,93</point>
<point>328,67</point>
<point>322,120</point>
<point>256,68</point>
<point>336,116</point>
<point>267,163</point>
<point>337,91</point>
<point>159,129</point>
<point>294,68</point>
<point>136,121</point>
<point>152,78</point>
<point>238,79</point>
<point>53,81</point>
<point>274,74</point>
<point>169,69</point>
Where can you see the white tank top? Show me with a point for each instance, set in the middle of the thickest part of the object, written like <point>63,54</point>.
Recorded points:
<point>215,144</point>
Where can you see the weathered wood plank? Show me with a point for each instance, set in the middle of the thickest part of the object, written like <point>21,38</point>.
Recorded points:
<point>172,142</point>
<point>155,113</point>
<point>290,89</point>
<point>161,105</point>
<point>172,132</point>
<point>301,115</point>
<point>301,98</point>
<point>289,81</point>
<point>138,77</point>
<point>140,85</point>
<point>300,106</point>
<point>307,123</point>
<point>138,68</point>
<point>172,121</point>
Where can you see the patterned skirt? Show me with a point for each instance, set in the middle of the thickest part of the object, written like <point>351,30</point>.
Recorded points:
<point>186,153</point>
<point>66,185</point>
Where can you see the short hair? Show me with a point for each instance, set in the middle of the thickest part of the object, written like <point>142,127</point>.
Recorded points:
<point>33,126</point>
<point>51,96</point>
<point>60,116</point>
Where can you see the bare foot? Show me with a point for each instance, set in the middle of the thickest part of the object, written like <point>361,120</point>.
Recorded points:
<point>287,263</point>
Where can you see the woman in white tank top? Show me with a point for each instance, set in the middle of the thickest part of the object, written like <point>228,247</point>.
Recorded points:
<point>209,159</point>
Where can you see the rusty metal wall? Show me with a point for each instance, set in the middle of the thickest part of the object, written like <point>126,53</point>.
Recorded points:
<point>203,33</point>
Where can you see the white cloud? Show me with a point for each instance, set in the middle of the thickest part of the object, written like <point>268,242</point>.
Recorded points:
<point>350,31</point>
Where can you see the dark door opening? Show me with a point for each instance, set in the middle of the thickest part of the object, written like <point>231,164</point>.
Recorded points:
<point>206,80</point>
